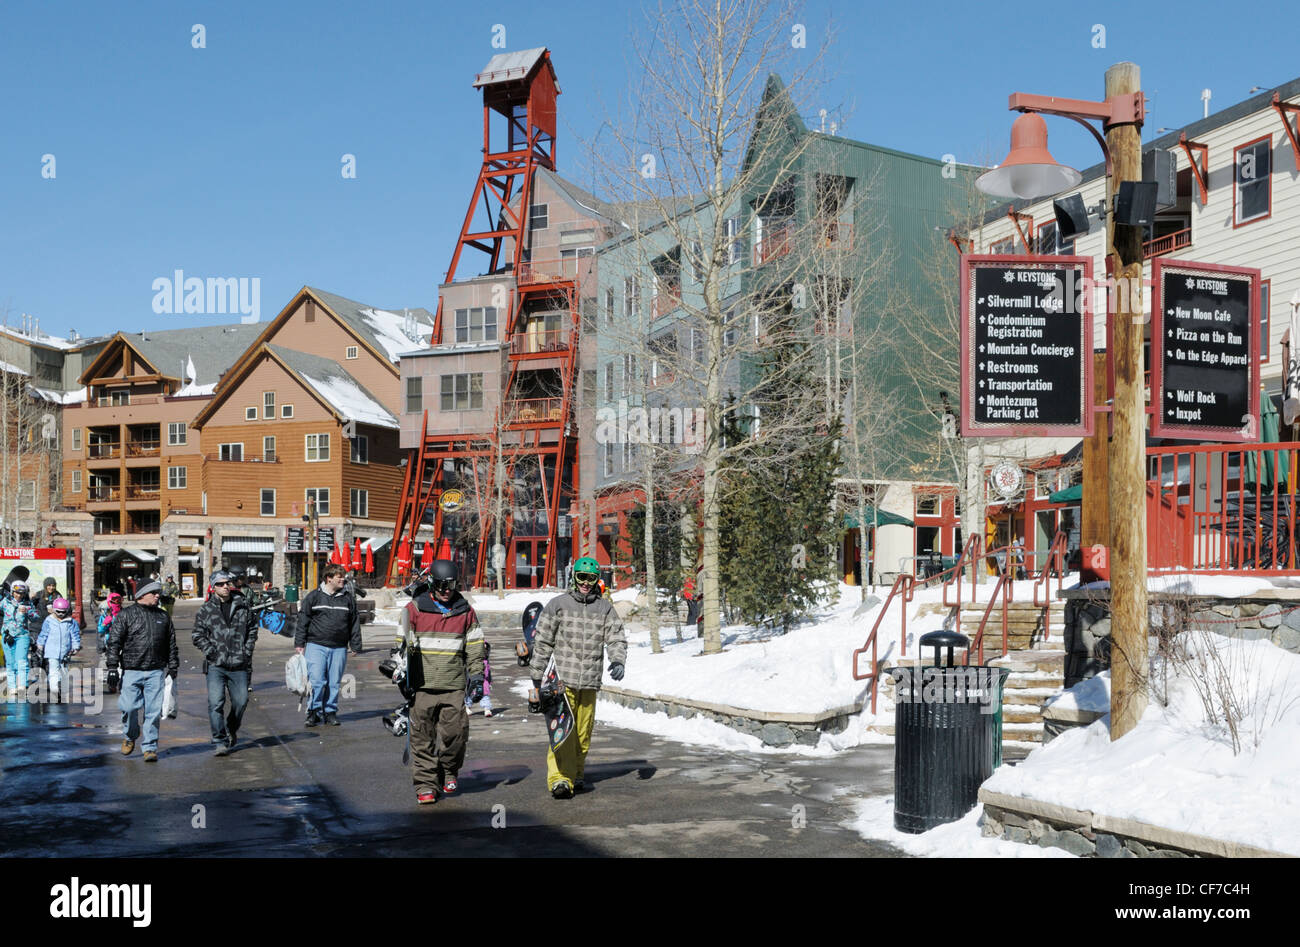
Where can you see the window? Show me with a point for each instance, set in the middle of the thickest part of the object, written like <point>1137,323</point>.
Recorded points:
<point>76,481</point>
<point>697,261</point>
<point>231,451</point>
<point>286,410</point>
<point>250,413</point>
<point>630,301</point>
<point>540,216</point>
<point>1007,246</point>
<point>462,392</point>
<point>1264,322</point>
<point>177,433</point>
<point>476,325</point>
<point>322,497</point>
<point>268,502</point>
<point>629,454</point>
<point>116,399</point>
<point>1253,162</point>
<point>608,449</point>
<point>1045,240</point>
<point>177,477</point>
<point>268,450</point>
<point>697,345</point>
<point>414,395</point>
<point>609,383</point>
<point>26,495</point>
<point>76,438</point>
<point>350,352</point>
<point>359,503</point>
<point>629,372</point>
<point>268,405</point>
<point>729,338</point>
<point>735,245</point>
<point>609,307</point>
<point>360,450</point>
<point>318,447</point>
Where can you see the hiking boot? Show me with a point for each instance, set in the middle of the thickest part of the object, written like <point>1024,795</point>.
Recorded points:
<point>487,711</point>
<point>332,720</point>
<point>128,746</point>
<point>150,756</point>
<point>450,785</point>
<point>313,719</point>
<point>562,791</point>
<point>426,798</point>
<point>581,786</point>
<point>223,749</point>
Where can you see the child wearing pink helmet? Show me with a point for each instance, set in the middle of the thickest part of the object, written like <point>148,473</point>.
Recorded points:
<point>60,639</point>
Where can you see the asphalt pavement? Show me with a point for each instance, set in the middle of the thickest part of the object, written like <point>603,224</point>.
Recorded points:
<point>288,790</point>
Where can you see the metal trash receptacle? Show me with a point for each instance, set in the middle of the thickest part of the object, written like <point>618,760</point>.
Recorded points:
<point>947,727</point>
<point>290,592</point>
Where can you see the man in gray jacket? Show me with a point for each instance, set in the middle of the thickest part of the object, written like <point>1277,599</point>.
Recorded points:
<point>577,627</point>
<point>226,633</point>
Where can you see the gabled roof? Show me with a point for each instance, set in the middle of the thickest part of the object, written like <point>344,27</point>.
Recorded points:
<point>510,67</point>
<point>388,333</point>
<point>341,394</point>
<point>212,349</point>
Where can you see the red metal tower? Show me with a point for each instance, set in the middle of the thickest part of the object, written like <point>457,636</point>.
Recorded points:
<point>529,431</point>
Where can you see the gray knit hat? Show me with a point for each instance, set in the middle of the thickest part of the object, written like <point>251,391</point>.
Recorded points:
<point>149,587</point>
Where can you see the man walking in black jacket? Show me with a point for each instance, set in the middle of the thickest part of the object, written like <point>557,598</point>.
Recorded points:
<point>143,643</point>
<point>328,624</point>
<point>226,633</point>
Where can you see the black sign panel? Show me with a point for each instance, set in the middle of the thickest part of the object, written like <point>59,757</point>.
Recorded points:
<point>1206,366</point>
<point>325,539</point>
<point>295,540</point>
<point>1026,346</point>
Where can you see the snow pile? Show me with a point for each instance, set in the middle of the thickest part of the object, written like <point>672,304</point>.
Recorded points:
<point>514,602</point>
<point>1092,695</point>
<point>348,398</point>
<point>1178,768</point>
<point>960,839</point>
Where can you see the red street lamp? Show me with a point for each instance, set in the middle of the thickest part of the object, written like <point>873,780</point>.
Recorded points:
<point>1030,172</point>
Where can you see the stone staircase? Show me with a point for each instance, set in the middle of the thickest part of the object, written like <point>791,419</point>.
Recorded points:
<point>1035,658</point>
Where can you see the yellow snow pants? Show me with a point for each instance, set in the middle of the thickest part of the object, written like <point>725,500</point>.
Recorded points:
<point>569,765</point>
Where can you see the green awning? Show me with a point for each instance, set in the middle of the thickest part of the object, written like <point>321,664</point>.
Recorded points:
<point>1072,494</point>
<point>873,517</point>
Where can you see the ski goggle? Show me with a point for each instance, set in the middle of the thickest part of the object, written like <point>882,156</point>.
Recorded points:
<point>590,578</point>
<point>444,585</point>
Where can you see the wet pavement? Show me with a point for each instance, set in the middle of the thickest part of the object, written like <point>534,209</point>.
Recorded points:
<point>287,790</point>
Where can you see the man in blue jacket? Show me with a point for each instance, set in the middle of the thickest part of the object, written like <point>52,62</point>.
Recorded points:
<point>328,624</point>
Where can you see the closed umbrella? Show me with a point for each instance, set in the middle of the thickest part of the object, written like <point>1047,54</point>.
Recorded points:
<point>1260,464</point>
<point>356,555</point>
<point>426,556</point>
<point>404,557</point>
<point>370,559</point>
<point>345,555</point>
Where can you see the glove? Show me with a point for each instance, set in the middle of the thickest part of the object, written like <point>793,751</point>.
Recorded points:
<point>616,670</point>
<point>535,699</point>
<point>10,640</point>
<point>171,672</point>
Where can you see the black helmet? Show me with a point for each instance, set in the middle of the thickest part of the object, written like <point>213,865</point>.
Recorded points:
<point>444,575</point>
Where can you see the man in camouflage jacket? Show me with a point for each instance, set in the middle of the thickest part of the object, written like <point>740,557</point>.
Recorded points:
<point>225,632</point>
<point>577,627</point>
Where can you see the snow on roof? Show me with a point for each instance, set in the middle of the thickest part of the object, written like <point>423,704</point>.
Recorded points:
<point>389,329</point>
<point>11,369</point>
<point>40,338</point>
<point>195,391</point>
<point>60,397</point>
<point>351,400</point>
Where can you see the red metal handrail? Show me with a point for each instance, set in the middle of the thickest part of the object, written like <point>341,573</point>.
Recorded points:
<point>1004,589</point>
<point>903,584</point>
<point>1056,554</point>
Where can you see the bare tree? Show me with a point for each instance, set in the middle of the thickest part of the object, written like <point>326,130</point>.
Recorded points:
<point>29,448</point>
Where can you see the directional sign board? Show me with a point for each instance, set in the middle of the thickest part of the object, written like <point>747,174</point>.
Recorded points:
<point>1026,346</point>
<point>1205,351</point>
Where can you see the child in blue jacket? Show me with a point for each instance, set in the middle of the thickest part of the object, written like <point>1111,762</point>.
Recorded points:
<point>60,639</point>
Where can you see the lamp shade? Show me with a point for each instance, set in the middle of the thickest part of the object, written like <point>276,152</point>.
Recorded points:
<point>1029,171</point>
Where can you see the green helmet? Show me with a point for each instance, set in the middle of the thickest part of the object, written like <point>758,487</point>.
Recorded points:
<point>586,565</point>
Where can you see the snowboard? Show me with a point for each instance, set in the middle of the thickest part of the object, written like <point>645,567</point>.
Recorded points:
<point>557,711</point>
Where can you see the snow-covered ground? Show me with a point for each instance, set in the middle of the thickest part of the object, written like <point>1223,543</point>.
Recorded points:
<point>960,839</point>
<point>1177,768</point>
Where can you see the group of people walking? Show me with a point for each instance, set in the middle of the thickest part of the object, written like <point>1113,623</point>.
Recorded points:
<point>37,629</point>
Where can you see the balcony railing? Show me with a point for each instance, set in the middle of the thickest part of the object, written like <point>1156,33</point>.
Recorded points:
<point>139,491</point>
<point>143,448</point>
<point>666,300</point>
<point>103,451</point>
<point>836,234</point>
<point>1167,244</point>
<point>534,410</point>
<point>103,494</point>
<point>548,271</point>
<point>775,243</point>
<point>537,341</point>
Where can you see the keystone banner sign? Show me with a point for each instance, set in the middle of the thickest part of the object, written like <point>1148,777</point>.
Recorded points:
<point>1205,351</point>
<point>1026,346</point>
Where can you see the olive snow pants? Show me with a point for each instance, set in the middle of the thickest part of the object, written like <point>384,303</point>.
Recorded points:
<point>439,735</point>
<point>569,765</point>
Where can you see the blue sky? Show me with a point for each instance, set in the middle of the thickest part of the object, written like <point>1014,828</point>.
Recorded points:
<point>225,161</point>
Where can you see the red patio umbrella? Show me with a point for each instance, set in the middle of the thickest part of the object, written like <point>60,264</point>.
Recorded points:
<point>426,557</point>
<point>356,555</point>
<point>404,557</point>
<point>370,558</point>
<point>445,551</point>
<point>345,555</point>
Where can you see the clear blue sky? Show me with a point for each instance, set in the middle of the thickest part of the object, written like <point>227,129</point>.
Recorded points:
<point>225,161</point>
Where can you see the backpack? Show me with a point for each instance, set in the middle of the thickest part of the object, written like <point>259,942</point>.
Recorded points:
<point>273,621</point>
<point>295,677</point>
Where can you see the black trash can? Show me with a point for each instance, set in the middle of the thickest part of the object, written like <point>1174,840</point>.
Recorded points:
<point>947,730</point>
